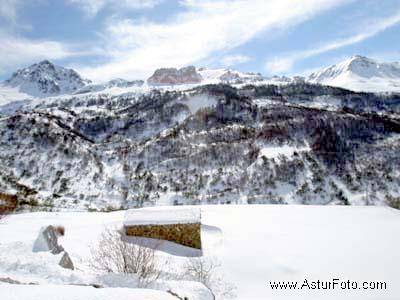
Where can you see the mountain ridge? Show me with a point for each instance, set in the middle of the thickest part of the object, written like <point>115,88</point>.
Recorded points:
<point>44,79</point>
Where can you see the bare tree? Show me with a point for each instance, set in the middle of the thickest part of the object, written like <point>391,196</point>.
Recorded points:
<point>207,271</point>
<point>114,255</point>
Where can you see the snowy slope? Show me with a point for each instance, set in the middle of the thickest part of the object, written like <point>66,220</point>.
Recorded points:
<point>127,150</point>
<point>360,74</point>
<point>9,94</point>
<point>11,99</point>
<point>255,244</point>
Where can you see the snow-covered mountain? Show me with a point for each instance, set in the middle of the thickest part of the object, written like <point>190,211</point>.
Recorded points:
<point>241,139</point>
<point>209,144</point>
<point>46,79</point>
<point>360,73</point>
<point>198,76</point>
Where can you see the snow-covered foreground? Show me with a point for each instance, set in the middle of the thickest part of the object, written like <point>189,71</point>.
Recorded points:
<point>256,244</point>
<point>277,243</point>
<point>63,292</point>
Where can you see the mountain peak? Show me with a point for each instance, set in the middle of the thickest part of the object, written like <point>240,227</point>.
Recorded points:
<point>46,79</point>
<point>358,57</point>
<point>359,60</point>
<point>359,73</point>
<point>46,62</point>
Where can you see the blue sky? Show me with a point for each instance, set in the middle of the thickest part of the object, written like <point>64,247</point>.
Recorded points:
<point>105,39</point>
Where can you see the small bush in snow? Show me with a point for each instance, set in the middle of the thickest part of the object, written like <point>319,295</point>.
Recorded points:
<point>113,255</point>
<point>207,271</point>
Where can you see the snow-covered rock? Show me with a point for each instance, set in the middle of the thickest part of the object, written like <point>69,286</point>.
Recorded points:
<point>162,216</point>
<point>173,76</point>
<point>360,73</point>
<point>46,79</point>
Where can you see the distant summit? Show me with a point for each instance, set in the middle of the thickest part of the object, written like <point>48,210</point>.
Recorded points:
<point>46,79</point>
<point>360,73</point>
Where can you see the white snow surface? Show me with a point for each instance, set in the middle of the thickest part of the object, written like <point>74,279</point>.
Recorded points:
<point>283,150</point>
<point>198,102</point>
<point>65,292</point>
<point>255,244</point>
<point>293,243</point>
<point>162,215</point>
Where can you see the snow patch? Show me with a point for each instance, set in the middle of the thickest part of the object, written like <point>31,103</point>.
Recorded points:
<point>285,150</point>
<point>197,102</point>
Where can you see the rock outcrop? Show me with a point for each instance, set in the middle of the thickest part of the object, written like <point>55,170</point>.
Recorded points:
<point>173,76</point>
<point>48,241</point>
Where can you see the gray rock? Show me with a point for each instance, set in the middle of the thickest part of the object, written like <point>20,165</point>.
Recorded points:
<point>48,241</point>
<point>66,262</point>
<point>172,76</point>
<point>12,281</point>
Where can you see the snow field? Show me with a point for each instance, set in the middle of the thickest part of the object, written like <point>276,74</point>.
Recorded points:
<point>255,244</point>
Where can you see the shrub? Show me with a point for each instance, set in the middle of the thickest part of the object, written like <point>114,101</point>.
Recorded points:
<point>113,255</point>
<point>206,271</point>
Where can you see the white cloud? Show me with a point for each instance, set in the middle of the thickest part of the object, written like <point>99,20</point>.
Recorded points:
<point>138,47</point>
<point>285,63</point>
<point>236,59</point>
<point>16,52</point>
<point>92,7</point>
